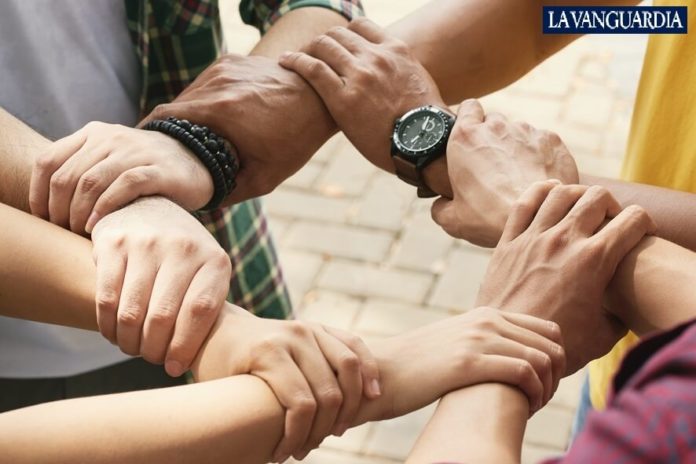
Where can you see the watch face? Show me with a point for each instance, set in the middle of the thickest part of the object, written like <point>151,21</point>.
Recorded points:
<point>421,131</point>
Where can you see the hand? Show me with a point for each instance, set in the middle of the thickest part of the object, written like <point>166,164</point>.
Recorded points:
<point>555,260</point>
<point>102,167</point>
<point>367,80</point>
<point>491,161</point>
<point>273,118</point>
<point>318,374</point>
<point>161,281</point>
<point>481,345</point>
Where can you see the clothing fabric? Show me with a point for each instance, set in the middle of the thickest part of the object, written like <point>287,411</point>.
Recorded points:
<point>662,144</point>
<point>131,375</point>
<point>66,63</point>
<point>651,414</point>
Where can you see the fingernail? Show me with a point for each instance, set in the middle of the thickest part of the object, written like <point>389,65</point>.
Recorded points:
<point>301,455</point>
<point>285,55</point>
<point>91,222</point>
<point>173,368</point>
<point>281,457</point>
<point>375,390</point>
<point>555,181</point>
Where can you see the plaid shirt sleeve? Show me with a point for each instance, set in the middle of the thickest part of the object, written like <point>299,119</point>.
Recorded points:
<point>262,14</point>
<point>651,417</point>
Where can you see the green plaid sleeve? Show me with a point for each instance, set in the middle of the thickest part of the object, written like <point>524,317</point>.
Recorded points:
<point>262,14</point>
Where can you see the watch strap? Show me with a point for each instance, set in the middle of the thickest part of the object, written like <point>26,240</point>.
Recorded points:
<point>412,174</point>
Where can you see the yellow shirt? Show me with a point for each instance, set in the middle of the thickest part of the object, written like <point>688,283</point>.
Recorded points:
<point>662,145</point>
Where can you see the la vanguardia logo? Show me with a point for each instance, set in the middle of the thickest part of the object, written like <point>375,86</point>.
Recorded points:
<point>615,20</point>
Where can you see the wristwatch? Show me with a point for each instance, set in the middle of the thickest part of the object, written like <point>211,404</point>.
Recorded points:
<point>419,138</point>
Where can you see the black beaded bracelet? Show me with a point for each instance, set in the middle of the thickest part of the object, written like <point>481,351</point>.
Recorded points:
<point>216,153</point>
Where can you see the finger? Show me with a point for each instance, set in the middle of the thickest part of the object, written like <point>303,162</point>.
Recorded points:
<point>546,329</point>
<point>111,269</point>
<point>470,112</point>
<point>369,368</point>
<point>92,184</point>
<point>350,40</point>
<point>516,372</point>
<point>331,52</point>
<point>326,390</point>
<point>444,213</point>
<point>171,283</point>
<point>134,183</point>
<point>200,307</point>
<point>319,74</point>
<point>624,232</point>
<point>141,271</point>
<point>346,364</point>
<point>44,168</point>
<point>498,123</point>
<point>556,206</point>
<point>547,356</point>
<point>64,181</point>
<point>592,209</point>
<point>525,208</point>
<point>369,30</point>
<point>293,392</point>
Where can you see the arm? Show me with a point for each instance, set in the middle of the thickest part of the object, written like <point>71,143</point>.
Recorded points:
<point>489,420</point>
<point>475,47</point>
<point>18,148</point>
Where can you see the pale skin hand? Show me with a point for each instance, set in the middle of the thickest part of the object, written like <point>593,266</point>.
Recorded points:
<point>556,240</point>
<point>486,344</point>
<point>491,161</point>
<point>160,282</point>
<point>102,167</point>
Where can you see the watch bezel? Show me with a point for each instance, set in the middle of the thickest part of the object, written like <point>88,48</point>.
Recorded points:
<point>400,149</point>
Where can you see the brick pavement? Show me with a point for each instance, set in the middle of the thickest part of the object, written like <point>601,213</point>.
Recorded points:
<point>361,253</point>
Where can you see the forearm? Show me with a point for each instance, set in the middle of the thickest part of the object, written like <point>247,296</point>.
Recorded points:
<point>652,288</point>
<point>19,144</point>
<point>236,420</point>
<point>480,424</point>
<point>673,211</point>
<point>295,29</point>
<point>474,47</point>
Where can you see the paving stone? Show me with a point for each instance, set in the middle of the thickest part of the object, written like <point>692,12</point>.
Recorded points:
<point>299,270</point>
<point>292,204</point>
<point>589,105</point>
<point>532,454</point>
<point>384,204</point>
<point>371,281</point>
<point>305,177</point>
<point>278,227</point>
<point>340,240</point>
<point>332,309</point>
<point>347,172</point>
<point>326,152</point>
<point>353,440</point>
<point>550,428</point>
<point>458,285</point>
<point>326,456</point>
<point>568,393</point>
<point>394,438</point>
<point>389,318</point>
<point>423,245</point>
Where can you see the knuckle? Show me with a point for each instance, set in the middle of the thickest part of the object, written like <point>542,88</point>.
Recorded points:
<point>349,362</point>
<point>130,316</point>
<point>204,306</point>
<point>317,42</point>
<point>299,329</point>
<point>134,178</point>
<point>45,163</point>
<point>305,405</point>
<point>60,181</point>
<point>364,75</point>
<point>400,47</point>
<point>89,183</point>
<point>163,316</point>
<point>107,301</point>
<point>524,372</point>
<point>331,398</point>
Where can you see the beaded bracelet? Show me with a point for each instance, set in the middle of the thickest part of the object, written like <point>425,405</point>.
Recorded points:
<point>216,153</point>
